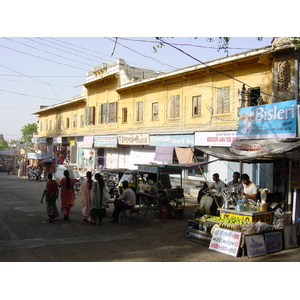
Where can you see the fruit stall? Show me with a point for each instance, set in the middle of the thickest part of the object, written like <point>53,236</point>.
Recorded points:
<point>239,233</point>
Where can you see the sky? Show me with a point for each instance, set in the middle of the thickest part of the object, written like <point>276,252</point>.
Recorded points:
<point>46,52</point>
<point>38,71</point>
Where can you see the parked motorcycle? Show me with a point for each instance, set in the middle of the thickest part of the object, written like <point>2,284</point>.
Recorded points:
<point>78,183</point>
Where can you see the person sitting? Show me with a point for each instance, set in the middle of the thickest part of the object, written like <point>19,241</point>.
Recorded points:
<point>126,201</point>
<point>202,192</point>
<point>219,186</point>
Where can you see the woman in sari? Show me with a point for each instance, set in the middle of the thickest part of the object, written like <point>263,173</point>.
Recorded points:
<point>51,192</point>
<point>86,189</point>
<point>98,200</point>
<point>67,194</point>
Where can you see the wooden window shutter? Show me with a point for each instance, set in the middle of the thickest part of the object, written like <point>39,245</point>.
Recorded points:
<point>113,112</point>
<point>175,105</point>
<point>92,115</point>
<point>139,111</point>
<point>223,100</point>
<point>86,116</point>
<point>155,111</point>
<point>100,114</point>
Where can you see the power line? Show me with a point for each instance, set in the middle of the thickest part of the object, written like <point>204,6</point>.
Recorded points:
<point>60,49</point>
<point>35,48</point>
<point>22,94</point>
<point>36,56</point>
<point>32,79</point>
<point>149,57</point>
<point>32,76</point>
<point>183,44</point>
<point>215,70</point>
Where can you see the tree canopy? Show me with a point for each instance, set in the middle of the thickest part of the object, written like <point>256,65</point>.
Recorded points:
<point>28,131</point>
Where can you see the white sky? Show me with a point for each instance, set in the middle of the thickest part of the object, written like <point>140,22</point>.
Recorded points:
<point>45,57</point>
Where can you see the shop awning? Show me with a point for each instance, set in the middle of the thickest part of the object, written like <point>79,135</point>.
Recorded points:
<point>164,153</point>
<point>184,155</point>
<point>249,150</point>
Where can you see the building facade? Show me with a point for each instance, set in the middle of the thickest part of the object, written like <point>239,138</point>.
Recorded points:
<point>129,115</point>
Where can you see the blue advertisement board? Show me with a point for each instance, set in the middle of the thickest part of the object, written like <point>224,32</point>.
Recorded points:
<point>270,121</point>
<point>178,140</point>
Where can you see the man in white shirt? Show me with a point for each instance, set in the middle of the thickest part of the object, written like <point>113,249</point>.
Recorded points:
<point>250,190</point>
<point>126,201</point>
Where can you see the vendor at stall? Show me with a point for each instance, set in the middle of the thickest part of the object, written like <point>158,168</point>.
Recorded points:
<point>249,192</point>
<point>235,185</point>
<point>219,186</point>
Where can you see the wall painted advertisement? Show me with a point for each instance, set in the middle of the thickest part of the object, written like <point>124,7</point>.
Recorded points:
<point>270,121</point>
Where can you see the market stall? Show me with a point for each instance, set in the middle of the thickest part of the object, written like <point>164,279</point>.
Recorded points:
<point>240,233</point>
<point>155,194</point>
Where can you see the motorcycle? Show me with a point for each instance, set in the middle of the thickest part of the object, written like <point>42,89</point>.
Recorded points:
<point>78,183</point>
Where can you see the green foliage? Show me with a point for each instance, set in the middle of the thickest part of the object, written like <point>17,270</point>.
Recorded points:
<point>296,41</point>
<point>3,144</point>
<point>28,131</point>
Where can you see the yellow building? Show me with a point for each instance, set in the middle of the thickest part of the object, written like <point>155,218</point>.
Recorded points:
<point>126,115</point>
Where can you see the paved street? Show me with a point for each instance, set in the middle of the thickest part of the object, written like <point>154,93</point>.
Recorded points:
<point>26,235</point>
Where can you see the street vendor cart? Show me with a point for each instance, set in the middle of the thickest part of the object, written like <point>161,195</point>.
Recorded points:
<point>153,188</point>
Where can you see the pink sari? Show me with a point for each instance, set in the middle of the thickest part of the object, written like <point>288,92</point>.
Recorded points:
<point>86,201</point>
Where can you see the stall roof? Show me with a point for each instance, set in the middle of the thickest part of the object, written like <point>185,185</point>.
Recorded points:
<point>171,168</point>
<point>267,150</point>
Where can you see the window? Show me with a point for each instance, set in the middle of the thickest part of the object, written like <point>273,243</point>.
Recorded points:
<point>90,115</point>
<point>254,97</point>
<point>107,113</point>
<point>124,115</point>
<point>75,120</point>
<point>223,100</point>
<point>82,119</point>
<point>47,124</point>
<point>50,125</point>
<point>139,111</point>
<point>59,122</point>
<point>155,111</point>
<point>67,123</point>
<point>41,126</point>
<point>174,106</point>
<point>196,106</point>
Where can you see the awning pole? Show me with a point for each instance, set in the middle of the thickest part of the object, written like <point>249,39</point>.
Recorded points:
<point>208,185</point>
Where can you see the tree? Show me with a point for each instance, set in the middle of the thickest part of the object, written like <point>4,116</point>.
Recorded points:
<point>28,131</point>
<point>3,144</point>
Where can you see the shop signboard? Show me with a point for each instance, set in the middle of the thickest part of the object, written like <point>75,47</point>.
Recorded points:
<point>9,152</point>
<point>88,141</point>
<point>133,139</point>
<point>178,140</point>
<point>270,121</point>
<point>57,140</point>
<point>34,155</point>
<point>225,241</point>
<point>105,141</point>
<point>215,138</point>
<point>39,140</point>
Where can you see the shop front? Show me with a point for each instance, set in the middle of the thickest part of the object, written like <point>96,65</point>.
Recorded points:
<point>266,134</point>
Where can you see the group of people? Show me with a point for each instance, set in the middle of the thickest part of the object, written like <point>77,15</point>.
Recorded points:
<point>240,185</point>
<point>94,197</point>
